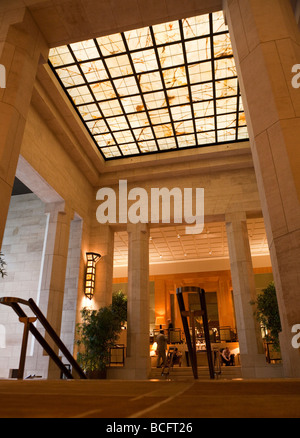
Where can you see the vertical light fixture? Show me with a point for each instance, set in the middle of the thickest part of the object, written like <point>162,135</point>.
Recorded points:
<point>89,287</point>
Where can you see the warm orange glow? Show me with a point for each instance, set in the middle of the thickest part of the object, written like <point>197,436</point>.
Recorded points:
<point>92,259</point>
<point>160,320</point>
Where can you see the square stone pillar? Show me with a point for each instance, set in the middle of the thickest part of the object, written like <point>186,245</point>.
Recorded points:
<point>54,271</point>
<point>21,48</point>
<point>266,46</point>
<point>101,241</point>
<point>253,361</point>
<point>138,353</point>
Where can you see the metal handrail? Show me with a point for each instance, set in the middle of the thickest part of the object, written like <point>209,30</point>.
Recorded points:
<point>191,342</point>
<point>14,303</point>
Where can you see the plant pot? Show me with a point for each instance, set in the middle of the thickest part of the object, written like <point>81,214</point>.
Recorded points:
<point>96,374</point>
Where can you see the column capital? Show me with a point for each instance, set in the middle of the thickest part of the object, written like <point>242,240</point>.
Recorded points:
<point>236,216</point>
<point>138,228</point>
<point>55,208</point>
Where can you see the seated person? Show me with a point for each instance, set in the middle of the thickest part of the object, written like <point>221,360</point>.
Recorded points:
<point>176,357</point>
<point>227,357</point>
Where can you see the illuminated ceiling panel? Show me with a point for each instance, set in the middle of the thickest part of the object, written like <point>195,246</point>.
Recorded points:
<point>166,87</point>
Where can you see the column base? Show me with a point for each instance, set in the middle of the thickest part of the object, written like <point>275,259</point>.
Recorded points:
<point>131,371</point>
<point>256,367</point>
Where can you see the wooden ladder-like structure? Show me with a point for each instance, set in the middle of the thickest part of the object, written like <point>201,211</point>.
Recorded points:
<point>15,304</point>
<point>191,314</point>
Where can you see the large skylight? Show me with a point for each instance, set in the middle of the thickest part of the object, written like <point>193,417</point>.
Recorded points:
<point>165,87</point>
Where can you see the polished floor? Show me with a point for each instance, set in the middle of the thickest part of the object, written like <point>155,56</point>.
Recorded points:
<point>150,399</point>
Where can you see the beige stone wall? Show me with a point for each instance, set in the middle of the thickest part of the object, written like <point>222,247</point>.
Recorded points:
<point>46,154</point>
<point>23,249</point>
<point>23,246</point>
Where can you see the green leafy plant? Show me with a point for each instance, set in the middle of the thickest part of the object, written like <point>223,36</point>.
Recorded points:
<point>98,332</point>
<point>267,313</point>
<point>3,272</point>
<point>119,305</point>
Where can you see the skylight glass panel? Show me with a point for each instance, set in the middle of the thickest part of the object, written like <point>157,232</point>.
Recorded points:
<point>185,141</point>
<point>175,77</point>
<point>200,72</point>
<point>89,112</point>
<point>143,134</point>
<point>97,126</point>
<point>160,116</point>
<point>119,66</point>
<point>150,82</point>
<point>93,71</point>
<point>138,38</point>
<point>196,26</point>
<point>61,56</point>
<point>167,32</point>
<point>105,140</point>
<point>129,149</point>
<point>148,146</point>
<point>181,112</point>
<point>198,50</point>
<point>205,124</point>
<point>155,100</point>
<point>126,86</point>
<point>205,108</point>
<point>81,95</point>
<point>111,45</point>
<point>186,126</point>
<point>160,88</point>
<point>167,143</point>
<point>171,55</point>
<point>84,50</point>
<point>162,131</point>
<point>138,119</point>
<point>144,61</point>
<point>103,90</point>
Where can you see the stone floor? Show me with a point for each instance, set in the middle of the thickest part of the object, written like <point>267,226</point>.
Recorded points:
<point>150,399</point>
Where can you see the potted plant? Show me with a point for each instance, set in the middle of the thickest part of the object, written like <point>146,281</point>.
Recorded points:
<point>97,333</point>
<point>119,306</point>
<point>267,313</point>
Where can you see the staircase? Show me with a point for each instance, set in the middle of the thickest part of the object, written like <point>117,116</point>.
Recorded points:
<point>186,373</point>
<point>15,304</point>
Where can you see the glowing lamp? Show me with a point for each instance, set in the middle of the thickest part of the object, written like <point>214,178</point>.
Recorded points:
<point>90,274</point>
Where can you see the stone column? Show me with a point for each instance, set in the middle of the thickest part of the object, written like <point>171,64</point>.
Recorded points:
<point>253,360</point>
<point>266,45</point>
<point>54,271</point>
<point>138,356</point>
<point>21,48</point>
<point>102,242</point>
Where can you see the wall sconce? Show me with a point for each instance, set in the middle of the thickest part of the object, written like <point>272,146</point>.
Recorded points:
<point>92,258</point>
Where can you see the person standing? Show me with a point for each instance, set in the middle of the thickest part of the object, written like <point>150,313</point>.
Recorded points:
<point>170,329</point>
<point>161,348</point>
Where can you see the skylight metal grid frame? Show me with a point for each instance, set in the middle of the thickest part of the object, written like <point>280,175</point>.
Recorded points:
<point>145,118</point>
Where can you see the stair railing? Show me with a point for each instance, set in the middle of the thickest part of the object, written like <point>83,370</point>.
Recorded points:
<point>29,326</point>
